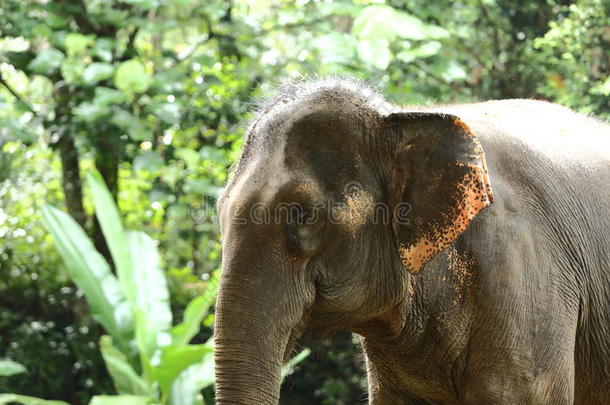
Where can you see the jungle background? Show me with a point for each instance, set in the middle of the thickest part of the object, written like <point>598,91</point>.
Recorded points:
<point>156,94</point>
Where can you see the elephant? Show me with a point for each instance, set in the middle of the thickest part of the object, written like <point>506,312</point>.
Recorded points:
<point>467,245</point>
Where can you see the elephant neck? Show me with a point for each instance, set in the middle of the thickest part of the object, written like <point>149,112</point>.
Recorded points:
<point>426,332</point>
<point>387,326</point>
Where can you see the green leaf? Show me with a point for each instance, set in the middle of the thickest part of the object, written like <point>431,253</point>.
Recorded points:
<point>146,341</point>
<point>103,49</point>
<point>186,388</point>
<point>115,17</point>
<point>126,381</point>
<point>13,129</point>
<point>375,52</point>
<point>149,161</point>
<point>602,88</point>
<point>410,27</point>
<point>91,274</point>
<point>89,112</point>
<point>47,61</point>
<point>152,295</point>
<point>72,70</point>
<point>134,127</point>
<point>56,21</point>
<point>196,185</point>
<point>132,77</point>
<point>13,44</point>
<point>338,8</point>
<point>213,154</point>
<point>40,89</point>
<point>108,216</point>
<point>423,51</point>
<point>25,400</point>
<point>145,4</point>
<point>190,156</point>
<point>43,30</point>
<point>435,32</point>
<point>76,44</point>
<point>290,365</point>
<point>382,22</point>
<point>336,47</point>
<point>194,313</point>
<point>97,71</point>
<point>121,400</point>
<point>123,118</point>
<point>449,70</point>
<point>174,360</point>
<point>167,112</point>
<point>169,81</point>
<point>10,367</point>
<point>428,49</point>
<point>105,96</point>
<point>375,22</point>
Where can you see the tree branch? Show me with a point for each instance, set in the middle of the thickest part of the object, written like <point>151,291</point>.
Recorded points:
<point>18,97</point>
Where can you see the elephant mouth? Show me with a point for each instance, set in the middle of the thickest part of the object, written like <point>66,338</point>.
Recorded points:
<point>323,324</point>
<point>291,344</point>
<point>303,327</point>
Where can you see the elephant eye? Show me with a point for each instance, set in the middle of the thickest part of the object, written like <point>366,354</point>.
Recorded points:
<point>294,215</point>
<point>303,230</point>
<point>302,216</point>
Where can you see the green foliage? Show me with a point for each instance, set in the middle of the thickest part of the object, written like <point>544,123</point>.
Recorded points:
<point>26,400</point>
<point>126,380</point>
<point>290,365</point>
<point>332,375</point>
<point>9,367</point>
<point>108,217</point>
<point>377,26</point>
<point>131,77</point>
<point>91,273</point>
<point>96,72</point>
<point>121,400</point>
<point>47,61</point>
<point>194,314</point>
<point>138,295</point>
<point>43,324</point>
<point>579,43</point>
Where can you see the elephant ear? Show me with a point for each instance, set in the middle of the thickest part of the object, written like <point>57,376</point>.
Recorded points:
<point>438,179</point>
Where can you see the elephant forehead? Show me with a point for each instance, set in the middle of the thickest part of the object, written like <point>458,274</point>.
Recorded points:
<point>259,179</point>
<point>270,187</point>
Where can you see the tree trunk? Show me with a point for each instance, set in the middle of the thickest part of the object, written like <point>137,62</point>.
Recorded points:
<point>107,163</point>
<point>71,180</point>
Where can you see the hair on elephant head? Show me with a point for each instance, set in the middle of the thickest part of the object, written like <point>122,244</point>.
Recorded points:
<point>332,199</point>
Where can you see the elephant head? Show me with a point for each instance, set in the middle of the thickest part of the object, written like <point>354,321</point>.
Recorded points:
<point>332,206</point>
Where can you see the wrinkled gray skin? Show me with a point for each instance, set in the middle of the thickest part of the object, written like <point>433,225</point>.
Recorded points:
<point>515,311</point>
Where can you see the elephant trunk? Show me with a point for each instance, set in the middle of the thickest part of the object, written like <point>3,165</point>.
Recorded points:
<point>251,335</point>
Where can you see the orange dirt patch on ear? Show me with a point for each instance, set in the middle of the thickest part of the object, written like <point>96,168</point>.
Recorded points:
<point>475,194</point>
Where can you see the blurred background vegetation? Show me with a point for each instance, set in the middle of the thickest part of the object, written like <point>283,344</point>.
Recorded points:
<point>155,94</point>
